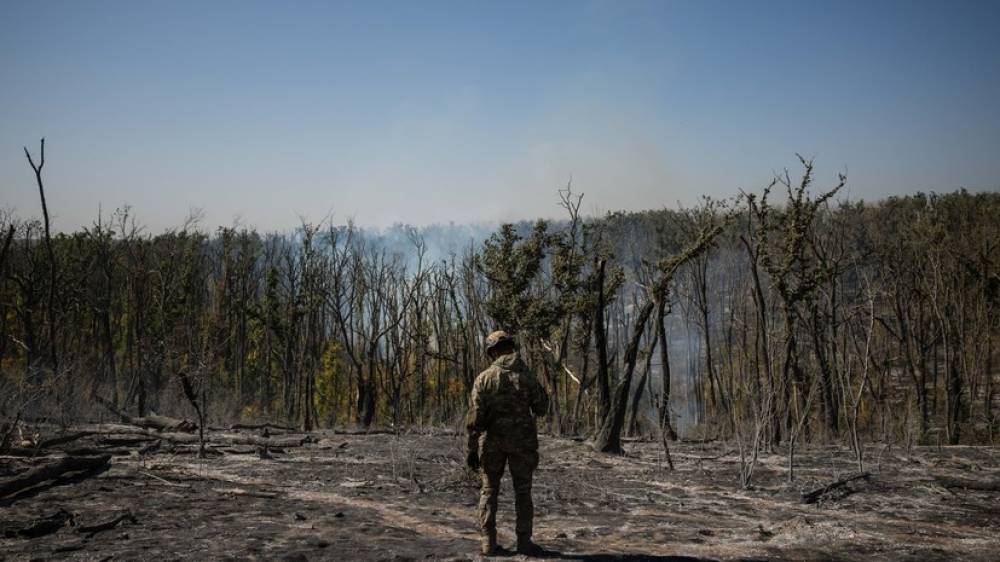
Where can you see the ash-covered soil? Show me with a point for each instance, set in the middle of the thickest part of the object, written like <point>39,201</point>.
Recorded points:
<point>408,497</point>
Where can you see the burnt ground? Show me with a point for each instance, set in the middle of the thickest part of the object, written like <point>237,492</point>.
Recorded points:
<point>407,497</point>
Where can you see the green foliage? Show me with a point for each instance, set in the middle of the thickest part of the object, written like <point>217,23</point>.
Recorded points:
<point>519,299</point>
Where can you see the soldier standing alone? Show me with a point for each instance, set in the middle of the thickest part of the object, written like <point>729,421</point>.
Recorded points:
<point>506,398</point>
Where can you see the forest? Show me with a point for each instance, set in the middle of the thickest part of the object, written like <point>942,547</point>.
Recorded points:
<point>803,316</point>
<point>776,322</point>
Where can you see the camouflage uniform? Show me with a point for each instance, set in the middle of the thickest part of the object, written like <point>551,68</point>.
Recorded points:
<point>506,397</point>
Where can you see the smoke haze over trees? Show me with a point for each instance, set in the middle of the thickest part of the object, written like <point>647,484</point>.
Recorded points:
<point>782,316</point>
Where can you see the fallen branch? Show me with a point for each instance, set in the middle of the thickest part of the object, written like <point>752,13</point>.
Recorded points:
<point>92,530</point>
<point>815,495</point>
<point>51,471</point>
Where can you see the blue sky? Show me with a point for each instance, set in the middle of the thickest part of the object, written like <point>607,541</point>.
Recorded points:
<point>424,112</point>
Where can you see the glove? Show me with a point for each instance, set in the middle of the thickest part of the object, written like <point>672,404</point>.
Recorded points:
<point>472,459</point>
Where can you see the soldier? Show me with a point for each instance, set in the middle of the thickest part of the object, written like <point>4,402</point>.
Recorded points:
<point>506,398</point>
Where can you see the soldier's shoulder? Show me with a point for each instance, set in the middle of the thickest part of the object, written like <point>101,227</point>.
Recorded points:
<point>487,374</point>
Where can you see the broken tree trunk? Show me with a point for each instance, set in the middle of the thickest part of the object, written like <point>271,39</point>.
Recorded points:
<point>51,471</point>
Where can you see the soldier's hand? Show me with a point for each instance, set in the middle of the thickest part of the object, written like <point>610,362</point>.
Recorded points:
<point>472,460</point>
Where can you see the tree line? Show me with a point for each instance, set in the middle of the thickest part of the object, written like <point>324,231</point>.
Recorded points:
<point>790,315</point>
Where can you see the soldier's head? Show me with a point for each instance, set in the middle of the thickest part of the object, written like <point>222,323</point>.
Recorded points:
<point>500,343</point>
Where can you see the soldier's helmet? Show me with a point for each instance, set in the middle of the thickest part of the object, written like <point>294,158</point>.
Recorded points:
<point>496,338</point>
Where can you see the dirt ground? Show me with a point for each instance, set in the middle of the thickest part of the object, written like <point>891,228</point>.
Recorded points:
<point>407,497</point>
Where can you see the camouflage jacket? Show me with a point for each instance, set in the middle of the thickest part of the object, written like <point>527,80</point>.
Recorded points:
<point>506,397</point>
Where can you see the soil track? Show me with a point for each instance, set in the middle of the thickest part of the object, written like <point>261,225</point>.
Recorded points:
<point>407,497</point>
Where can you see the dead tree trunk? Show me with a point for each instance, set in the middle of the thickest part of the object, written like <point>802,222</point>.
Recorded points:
<point>53,356</point>
<point>601,343</point>
<point>608,439</point>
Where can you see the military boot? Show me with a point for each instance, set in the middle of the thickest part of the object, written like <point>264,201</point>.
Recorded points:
<point>488,544</point>
<point>527,547</point>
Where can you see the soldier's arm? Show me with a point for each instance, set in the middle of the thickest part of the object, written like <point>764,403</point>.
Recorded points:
<point>475,423</point>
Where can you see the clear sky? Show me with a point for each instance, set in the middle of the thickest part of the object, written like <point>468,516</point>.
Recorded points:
<point>423,111</point>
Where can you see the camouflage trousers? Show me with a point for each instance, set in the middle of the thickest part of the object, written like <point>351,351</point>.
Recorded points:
<point>522,465</point>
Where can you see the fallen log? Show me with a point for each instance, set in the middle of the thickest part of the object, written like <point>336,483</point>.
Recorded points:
<point>35,527</point>
<point>63,439</point>
<point>194,450</point>
<point>51,471</point>
<point>260,426</point>
<point>163,423</point>
<point>126,440</point>
<point>210,438</point>
<point>367,432</point>
<point>133,431</point>
<point>153,421</point>
<point>39,448</point>
<point>250,450</point>
<point>269,442</point>
<point>96,451</point>
<point>815,495</point>
<point>24,452</point>
<point>185,438</point>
